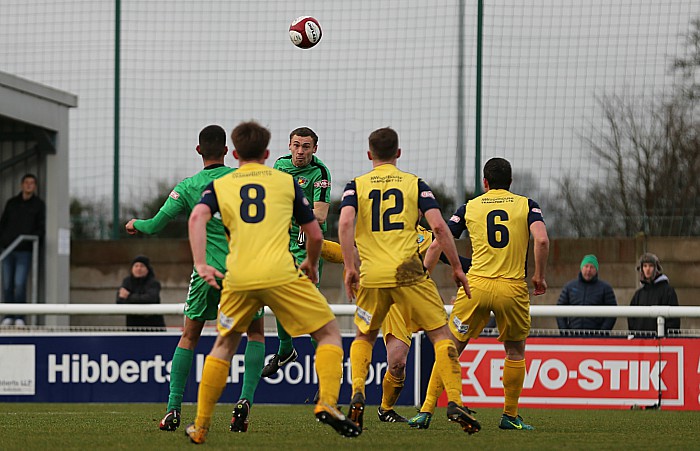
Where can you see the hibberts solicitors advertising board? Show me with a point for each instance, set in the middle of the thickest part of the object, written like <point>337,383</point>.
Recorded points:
<point>583,373</point>
<point>136,368</point>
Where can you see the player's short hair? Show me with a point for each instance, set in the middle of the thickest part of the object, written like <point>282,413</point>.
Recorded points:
<point>384,143</point>
<point>28,176</point>
<point>250,140</point>
<point>212,142</point>
<point>304,132</point>
<point>498,173</point>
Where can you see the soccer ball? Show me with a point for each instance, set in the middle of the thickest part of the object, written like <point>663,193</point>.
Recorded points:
<point>305,32</point>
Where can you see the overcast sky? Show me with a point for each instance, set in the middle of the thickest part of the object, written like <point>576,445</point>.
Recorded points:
<point>380,63</point>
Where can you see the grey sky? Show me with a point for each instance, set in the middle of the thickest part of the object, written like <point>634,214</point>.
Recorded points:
<point>187,64</point>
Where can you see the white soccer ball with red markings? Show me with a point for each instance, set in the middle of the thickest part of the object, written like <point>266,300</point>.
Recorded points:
<point>305,32</point>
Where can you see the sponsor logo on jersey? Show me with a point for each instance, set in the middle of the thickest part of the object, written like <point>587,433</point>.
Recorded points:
<point>174,195</point>
<point>302,181</point>
<point>322,184</point>
<point>455,218</point>
<point>428,194</point>
<point>364,315</point>
<point>421,238</point>
<point>461,327</point>
<point>225,321</point>
<point>537,210</point>
<point>349,192</point>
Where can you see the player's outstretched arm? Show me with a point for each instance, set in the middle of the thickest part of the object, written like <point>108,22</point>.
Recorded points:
<point>130,229</point>
<point>169,211</point>
<point>321,211</point>
<point>541,251</point>
<point>447,243</point>
<point>346,236</point>
<point>314,241</point>
<point>432,255</point>
<point>197,226</point>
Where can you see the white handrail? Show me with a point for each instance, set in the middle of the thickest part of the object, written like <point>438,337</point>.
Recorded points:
<point>660,312</point>
<point>349,309</point>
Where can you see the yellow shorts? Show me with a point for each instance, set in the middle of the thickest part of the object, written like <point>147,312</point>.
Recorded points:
<point>298,305</point>
<point>419,304</point>
<point>508,300</point>
<point>395,324</point>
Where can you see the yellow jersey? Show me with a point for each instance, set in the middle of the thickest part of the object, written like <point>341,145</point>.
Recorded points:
<point>256,204</point>
<point>387,203</point>
<point>498,223</point>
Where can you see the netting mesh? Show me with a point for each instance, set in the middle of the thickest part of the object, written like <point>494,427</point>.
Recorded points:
<point>187,64</point>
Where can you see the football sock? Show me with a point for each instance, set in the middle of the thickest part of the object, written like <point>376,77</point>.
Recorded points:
<point>286,344</point>
<point>513,377</point>
<point>254,361</point>
<point>447,364</point>
<point>435,389</point>
<point>331,251</point>
<point>314,343</point>
<point>391,389</point>
<point>213,382</point>
<point>179,372</point>
<point>360,358</point>
<point>329,367</point>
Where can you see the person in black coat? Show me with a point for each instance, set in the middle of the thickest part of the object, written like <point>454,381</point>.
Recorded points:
<point>24,214</point>
<point>655,290</point>
<point>141,287</point>
<point>587,289</point>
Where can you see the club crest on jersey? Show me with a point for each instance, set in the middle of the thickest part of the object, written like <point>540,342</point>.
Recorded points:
<point>421,238</point>
<point>322,184</point>
<point>174,195</point>
<point>302,181</point>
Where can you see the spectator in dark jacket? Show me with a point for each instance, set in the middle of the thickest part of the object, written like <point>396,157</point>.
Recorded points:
<point>141,287</point>
<point>655,290</point>
<point>587,289</point>
<point>24,214</point>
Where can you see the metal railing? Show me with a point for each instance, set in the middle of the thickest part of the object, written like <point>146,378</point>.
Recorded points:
<point>658,311</point>
<point>35,263</point>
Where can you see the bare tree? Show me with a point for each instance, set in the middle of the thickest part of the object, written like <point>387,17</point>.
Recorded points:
<point>651,155</point>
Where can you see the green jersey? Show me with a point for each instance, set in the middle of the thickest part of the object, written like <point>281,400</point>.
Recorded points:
<point>182,199</point>
<point>314,180</point>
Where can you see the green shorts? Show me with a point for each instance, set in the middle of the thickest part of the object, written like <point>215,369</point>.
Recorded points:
<point>202,302</point>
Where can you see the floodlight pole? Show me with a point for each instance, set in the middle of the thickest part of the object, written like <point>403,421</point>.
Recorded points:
<point>461,140</point>
<point>477,132</point>
<point>115,187</point>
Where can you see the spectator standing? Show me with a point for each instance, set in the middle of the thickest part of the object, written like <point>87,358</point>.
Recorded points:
<point>141,287</point>
<point>24,214</point>
<point>587,289</point>
<point>655,290</point>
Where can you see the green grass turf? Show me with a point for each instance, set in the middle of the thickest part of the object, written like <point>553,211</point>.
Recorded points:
<point>50,427</point>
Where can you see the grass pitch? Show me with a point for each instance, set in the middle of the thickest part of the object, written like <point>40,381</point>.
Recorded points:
<point>49,427</point>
